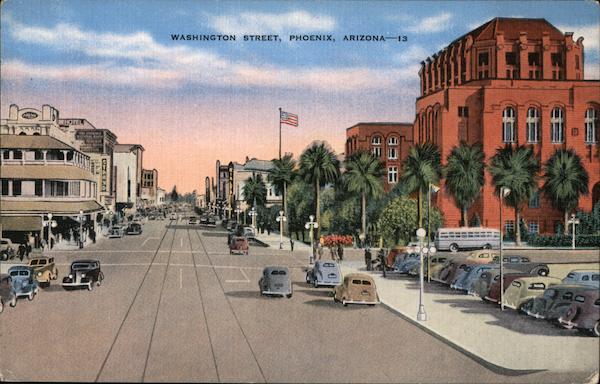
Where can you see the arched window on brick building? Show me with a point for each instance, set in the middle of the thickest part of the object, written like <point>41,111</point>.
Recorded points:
<point>591,126</point>
<point>557,126</point>
<point>533,125</point>
<point>392,145</point>
<point>376,146</point>
<point>508,125</point>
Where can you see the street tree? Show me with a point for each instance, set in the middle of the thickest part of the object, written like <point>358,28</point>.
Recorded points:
<point>516,168</point>
<point>363,176</point>
<point>281,175</point>
<point>174,194</point>
<point>255,191</point>
<point>300,205</point>
<point>420,168</point>
<point>319,166</point>
<point>398,220</point>
<point>464,176</point>
<point>565,180</point>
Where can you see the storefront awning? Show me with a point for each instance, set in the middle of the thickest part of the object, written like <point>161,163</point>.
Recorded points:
<point>21,223</point>
<point>55,207</point>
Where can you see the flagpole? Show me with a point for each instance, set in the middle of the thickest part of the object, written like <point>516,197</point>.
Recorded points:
<point>279,133</point>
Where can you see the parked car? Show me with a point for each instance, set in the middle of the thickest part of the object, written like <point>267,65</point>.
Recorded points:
<point>515,259</point>
<point>23,282</point>
<point>471,274</point>
<point>451,270</point>
<point>212,222</point>
<point>7,292</point>
<point>524,289</point>
<point>561,270</point>
<point>173,216</point>
<point>203,220</point>
<point>436,263</point>
<point>357,288</point>
<point>231,225</point>
<point>249,232</point>
<point>192,220</point>
<point>587,277</point>
<point>44,269</point>
<point>494,291</point>
<point>403,264</point>
<point>584,313</point>
<point>324,273</point>
<point>483,256</point>
<point>134,229</point>
<point>394,254</point>
<point>481,286</point>
<point>553,302</point>
<point>239,244</point>
<point>83,273</point>
<point>276,280</point>
<point>115,232</point>
<point>7,249</point>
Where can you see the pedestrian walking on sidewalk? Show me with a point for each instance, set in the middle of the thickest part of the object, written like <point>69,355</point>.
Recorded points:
<point>21,251</point>
<point>27,249</point>
<point>320,250</point>
<point>292,244</point>
<point>340,252</point>
<point>368,259</point>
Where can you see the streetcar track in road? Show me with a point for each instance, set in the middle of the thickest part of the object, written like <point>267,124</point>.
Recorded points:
<point>235,316</point>
<point>137,292</point>
<point>160,296</point>
<point>204,309</point>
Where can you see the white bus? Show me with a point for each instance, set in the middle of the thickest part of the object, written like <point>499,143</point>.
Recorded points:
<point>455,239</point>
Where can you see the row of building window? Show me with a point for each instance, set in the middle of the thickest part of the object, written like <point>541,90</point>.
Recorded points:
<point>392,151</point>
<point>47,188</point>
<point>557,125</point>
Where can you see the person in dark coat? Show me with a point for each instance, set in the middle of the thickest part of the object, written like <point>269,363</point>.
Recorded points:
<point>27,249</point>
<point>21,251</point>
<point>292,244</point>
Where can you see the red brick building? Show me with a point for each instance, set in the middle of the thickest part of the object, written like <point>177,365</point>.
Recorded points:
<point>518,81</point>
<point>388,141</point>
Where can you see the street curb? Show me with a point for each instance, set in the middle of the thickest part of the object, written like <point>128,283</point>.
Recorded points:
<point>487,364</point>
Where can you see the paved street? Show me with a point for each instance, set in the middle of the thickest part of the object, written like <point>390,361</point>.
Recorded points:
<point>176,306</point>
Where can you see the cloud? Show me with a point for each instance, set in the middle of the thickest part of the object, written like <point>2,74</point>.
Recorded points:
<point>432,24</point>
<point>592,71</point>
<point>413,55</point>
<point>264,23</point>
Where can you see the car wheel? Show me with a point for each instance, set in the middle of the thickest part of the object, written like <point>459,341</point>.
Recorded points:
<point>13,302</point>
<point>454,247</point>
<point>31,295</point>
<point>289,295</point>
<point>487,246</point>
<point>596,329</point>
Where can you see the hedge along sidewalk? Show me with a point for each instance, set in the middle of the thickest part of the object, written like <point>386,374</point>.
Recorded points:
<point>484,331</point>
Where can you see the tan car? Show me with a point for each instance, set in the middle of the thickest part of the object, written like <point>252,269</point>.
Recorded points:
<point>44,269</point>
<point>483,256</point>
<point>357,288</point>
<point>525,289</point>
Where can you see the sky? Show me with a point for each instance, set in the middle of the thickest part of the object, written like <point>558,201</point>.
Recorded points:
<point>189,103</point>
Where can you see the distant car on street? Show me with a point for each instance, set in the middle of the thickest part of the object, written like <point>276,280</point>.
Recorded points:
<point>324,273</point>
<point>357,288</point>
<point>193,220</point>
<point>7,292</point>
<point>249,232</point>
<point>276,281</point>
<point>115,231</point>
<point>134,229</point>
<point>239,244</point>
<point>84,273</point>
<point>44,269</point>
<point>23,282</point>
<point>173,216</point>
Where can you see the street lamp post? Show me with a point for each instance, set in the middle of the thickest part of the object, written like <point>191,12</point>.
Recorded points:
<point>432,188</point>
<point>503,193</point>
<point>229,209</point>
<point>421,314</point>
<point>574,221</point>
<point>311,225</point>
<point>237,213</point>
<point>253,215</point>
<point>281,219</point>
<point>81,217</point>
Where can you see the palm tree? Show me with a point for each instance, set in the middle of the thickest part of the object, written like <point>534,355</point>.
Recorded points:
<point>565,180</point>
<point>281,175</point>
<point>515,168</point>
<point>363,175</point>
<point>255,190</point>
<point>318,166</point>
<point>464,176</point>
<point>420,168</point>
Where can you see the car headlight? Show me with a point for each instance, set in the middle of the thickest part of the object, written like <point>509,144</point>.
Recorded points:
<point>82,275</point>
<point>39,274</point>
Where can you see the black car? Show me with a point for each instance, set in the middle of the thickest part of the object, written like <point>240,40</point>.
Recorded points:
<point>134,229</point>
<point>84,273</point>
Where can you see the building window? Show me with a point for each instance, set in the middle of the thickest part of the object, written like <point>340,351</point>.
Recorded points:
<point>463,111</point>
<point>509,226</point>
<point>508,125</point>
<point>377,151</point>
<point>484,58</point>
<point>392,175</point>
<point>557,127</point>
<point>534,227</point>
<point>576,62</point>
<point>534,59</point>
<point>16,190</point>
<point>17,155</point>
<point>534,201</point>
<point>533,125</point>
<point>392,153</point>
<point>511,58</point>
<point>38,188</point>
<point>4,187</point>
<point>6,154</point>
<point>591,125</point>
<point>393,140</point>
<point>556,59</point>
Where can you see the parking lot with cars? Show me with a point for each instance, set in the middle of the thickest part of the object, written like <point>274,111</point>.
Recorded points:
<point>176,305</point>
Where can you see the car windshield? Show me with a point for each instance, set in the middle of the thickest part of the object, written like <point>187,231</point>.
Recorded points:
<point>14,273</point>
<point>366,282</point>
<point>278,272</point>
<point>356,282</point>
<point>328,265</point>
<point>23,273</point>
<point>33,262</point>
<point>81,266</point>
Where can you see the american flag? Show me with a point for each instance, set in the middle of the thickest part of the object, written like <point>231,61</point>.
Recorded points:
<point>289,118</point>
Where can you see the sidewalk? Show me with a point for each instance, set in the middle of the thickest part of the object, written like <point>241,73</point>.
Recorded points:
<point>272,241</point>
<point>482,330</point>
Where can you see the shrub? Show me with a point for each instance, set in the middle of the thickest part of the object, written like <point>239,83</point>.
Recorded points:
<point>564,240</point>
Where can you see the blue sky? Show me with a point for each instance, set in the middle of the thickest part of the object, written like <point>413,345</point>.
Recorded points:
<point>114,63</point>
